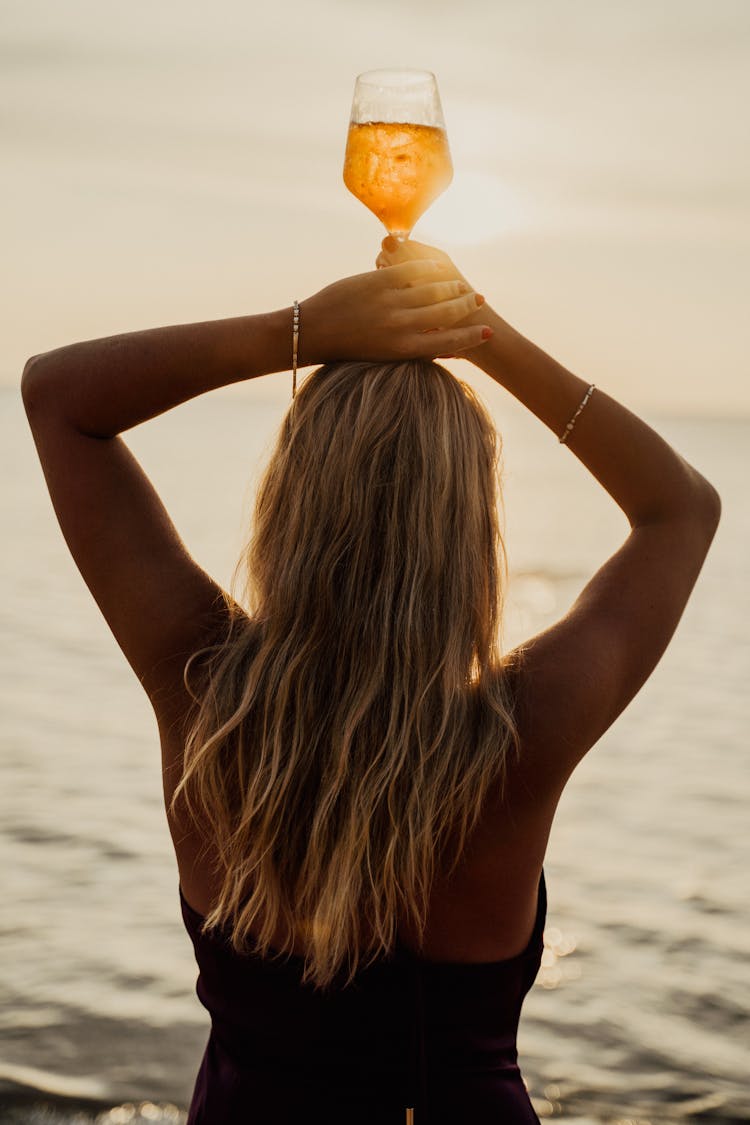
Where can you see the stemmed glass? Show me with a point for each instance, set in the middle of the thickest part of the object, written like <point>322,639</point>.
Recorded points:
<point>397,158</point>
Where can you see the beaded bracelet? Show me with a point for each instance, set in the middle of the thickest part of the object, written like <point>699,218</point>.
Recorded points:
<point>295,345</point>
<point>572,422</point>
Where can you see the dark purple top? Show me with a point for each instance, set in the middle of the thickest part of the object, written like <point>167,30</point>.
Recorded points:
<point>439,1036</point>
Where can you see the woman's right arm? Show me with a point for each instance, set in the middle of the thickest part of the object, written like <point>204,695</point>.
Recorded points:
<point>583,671</point>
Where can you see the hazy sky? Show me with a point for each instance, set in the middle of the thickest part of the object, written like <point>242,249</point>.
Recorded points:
<point>173,161</point>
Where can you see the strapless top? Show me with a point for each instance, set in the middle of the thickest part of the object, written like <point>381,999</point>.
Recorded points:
<point>436,1037</point>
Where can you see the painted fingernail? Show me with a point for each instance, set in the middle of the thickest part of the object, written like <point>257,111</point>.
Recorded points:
<point>486,333</point>
<point>479,299</point>
<point>389,243</point>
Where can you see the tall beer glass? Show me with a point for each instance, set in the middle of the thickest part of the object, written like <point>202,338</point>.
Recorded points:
<point>397,158</point>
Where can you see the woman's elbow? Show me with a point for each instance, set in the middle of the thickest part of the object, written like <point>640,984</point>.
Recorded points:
<point>32,380</point>
<point>709,504</point>
<point>30,365</point>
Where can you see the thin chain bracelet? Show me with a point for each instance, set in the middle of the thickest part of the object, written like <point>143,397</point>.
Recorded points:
<point>572,422</point>
<point>295,345</point>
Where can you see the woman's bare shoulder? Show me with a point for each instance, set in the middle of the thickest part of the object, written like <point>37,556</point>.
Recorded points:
<point>575,678</point>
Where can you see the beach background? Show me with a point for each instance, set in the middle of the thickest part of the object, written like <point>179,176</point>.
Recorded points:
<point>168,162</point>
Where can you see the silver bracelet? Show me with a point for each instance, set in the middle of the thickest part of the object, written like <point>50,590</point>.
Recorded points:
<point>572,422</point>
<point>295,345</point>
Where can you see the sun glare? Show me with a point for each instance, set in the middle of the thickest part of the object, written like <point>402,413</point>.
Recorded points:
<point>477,207</point>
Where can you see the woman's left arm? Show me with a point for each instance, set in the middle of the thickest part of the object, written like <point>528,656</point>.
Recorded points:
<point>159,603</point>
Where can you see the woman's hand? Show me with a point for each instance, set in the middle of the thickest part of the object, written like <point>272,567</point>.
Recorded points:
<point>394,253</point>
<point>402,310</point>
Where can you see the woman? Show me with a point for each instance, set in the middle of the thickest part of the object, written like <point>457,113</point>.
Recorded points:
<point>359,787</point>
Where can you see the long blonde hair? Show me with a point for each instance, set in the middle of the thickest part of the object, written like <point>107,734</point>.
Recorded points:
<point>349,727</point>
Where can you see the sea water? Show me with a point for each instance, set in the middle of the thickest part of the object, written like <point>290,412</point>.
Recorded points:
<point>639,1013</point>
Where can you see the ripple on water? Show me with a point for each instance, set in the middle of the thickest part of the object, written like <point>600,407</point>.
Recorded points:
<point>52,1112</point>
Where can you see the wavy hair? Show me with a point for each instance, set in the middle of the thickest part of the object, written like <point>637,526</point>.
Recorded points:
<point>349,727</point>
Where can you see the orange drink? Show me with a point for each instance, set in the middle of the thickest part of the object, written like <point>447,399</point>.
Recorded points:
<point>397,169</point>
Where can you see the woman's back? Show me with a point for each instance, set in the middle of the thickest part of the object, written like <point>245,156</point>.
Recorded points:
<point>432,1027</point>
<point>480,911</point>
